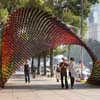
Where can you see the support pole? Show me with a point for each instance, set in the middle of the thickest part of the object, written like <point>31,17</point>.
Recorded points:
<point>69,48</point>
<point>81,34</point>
<point>33,68</point>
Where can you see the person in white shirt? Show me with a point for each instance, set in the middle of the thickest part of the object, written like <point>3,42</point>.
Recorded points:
<point>57,73</point>
<point>72,72</point>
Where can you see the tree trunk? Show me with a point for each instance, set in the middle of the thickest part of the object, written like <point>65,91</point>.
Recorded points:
<point>51,62</point>
<point>38,70</point>
<point>69,48</point>
<point>32,68</point>
<point>44,64</point>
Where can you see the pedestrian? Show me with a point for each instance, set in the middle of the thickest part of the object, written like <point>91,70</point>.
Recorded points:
<point>27,72</point>
<point>57,72</point>
<point>72,72</point>
<point>63,72</point>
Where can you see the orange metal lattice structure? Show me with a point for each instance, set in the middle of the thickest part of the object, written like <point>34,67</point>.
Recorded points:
<point>30,31</point>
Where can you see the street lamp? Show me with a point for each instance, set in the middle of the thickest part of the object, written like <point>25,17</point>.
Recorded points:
<point>81,32</point>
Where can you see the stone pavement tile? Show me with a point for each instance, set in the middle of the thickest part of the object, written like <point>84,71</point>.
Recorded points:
<point>46,89</point>
<point>6,95</point>
<point>89,94</point>
<point>26,96</point>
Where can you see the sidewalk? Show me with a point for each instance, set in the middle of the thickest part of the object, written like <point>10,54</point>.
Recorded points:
<point>43,88</point>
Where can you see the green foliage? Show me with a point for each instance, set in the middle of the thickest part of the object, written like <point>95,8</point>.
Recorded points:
<point>21,3</point>
<point>60,50</point>
<point>3,15</point>
<point>57,51</point>
<point>69,10</point>
<point>75,6</point>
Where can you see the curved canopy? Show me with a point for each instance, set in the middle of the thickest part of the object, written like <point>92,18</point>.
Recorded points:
<point>30,31</point>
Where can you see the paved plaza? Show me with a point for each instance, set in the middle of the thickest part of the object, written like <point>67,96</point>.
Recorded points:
<point>43,88</point>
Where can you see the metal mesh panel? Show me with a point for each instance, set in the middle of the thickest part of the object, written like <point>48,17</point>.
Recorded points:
<point>30,31</point>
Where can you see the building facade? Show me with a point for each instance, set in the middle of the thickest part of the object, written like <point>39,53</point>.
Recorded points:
<point>94,23</point>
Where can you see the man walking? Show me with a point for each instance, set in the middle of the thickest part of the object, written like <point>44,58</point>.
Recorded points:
<point>63,72</point>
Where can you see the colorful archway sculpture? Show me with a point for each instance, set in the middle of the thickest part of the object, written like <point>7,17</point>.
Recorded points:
<point>30,31</point>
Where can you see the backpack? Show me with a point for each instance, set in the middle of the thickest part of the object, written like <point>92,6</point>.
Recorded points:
<point>57,70</point>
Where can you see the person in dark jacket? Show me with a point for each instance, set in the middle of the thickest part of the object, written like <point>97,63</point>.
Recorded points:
<point>27,72</point>
<point>63,72</point>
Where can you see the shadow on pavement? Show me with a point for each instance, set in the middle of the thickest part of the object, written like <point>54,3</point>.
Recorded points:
<point>50,86</point>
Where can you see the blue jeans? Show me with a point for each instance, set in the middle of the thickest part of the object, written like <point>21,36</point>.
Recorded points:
<point>27,77</point>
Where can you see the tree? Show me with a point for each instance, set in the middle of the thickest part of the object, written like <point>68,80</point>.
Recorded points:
<point>51,62</point>
<point>69,10</point>
<point>44,60</point>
